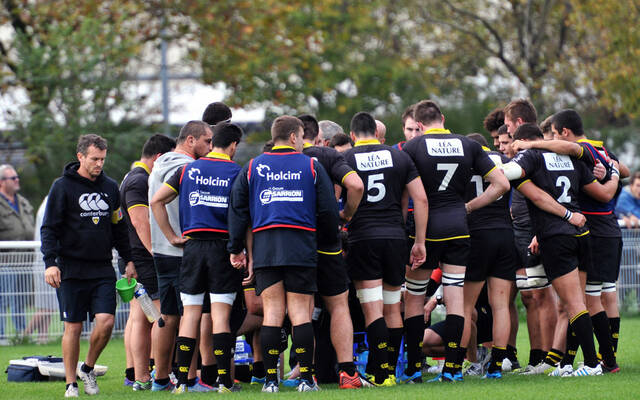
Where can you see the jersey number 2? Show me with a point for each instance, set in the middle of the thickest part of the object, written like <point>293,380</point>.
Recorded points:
<point>564,182</point>
<point>374,182</point>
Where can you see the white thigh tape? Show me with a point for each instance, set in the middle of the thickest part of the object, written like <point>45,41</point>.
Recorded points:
<point>521,282</point>
<point>453,280</point>
<point>416,287</point>
<point>536,277</point>
<point>608,287</point>
<point>369,295</point>
<point>227,298</point>
<point>192,299</point>
<point>593,289</point>
<point>391,296</point>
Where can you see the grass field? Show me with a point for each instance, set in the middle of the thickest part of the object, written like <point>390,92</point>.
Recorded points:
<point>624,385</point>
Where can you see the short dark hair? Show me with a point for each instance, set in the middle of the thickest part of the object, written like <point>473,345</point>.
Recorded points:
<point>158,144</point>
<point>476,137</point>
<point>569,119</point>
<point>363,123</point>
<point>268,145</point>
<point>311,127</point>
<point>285,125</point>
<point>634,176</point>
<point>216,112</point>
<point>427,112</point>
<point>340,139</point>
<point>494,120</point>
<point>192,128</point>
<point>225,133</point>
<point>408,112</point>
<point>523,109</point>
<point>91,139</point>
<point>545,126</point>
<point>503,130</point>
<point>527,131</point>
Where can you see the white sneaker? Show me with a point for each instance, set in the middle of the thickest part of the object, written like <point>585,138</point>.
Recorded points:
<point>565,371</point>
<point>475,369</point>
<point>506,365</point>
<point>541,368</point>
<point>72,391</point>
<point>435,369</point>
<point>89,380</point>
<point>270,387</point>
<point>305,386</point>
<point>588,371</point>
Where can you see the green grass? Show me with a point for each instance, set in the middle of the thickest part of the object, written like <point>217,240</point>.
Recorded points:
<point>624,385</point>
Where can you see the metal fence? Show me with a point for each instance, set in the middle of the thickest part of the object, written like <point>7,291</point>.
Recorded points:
<point>29,307</point>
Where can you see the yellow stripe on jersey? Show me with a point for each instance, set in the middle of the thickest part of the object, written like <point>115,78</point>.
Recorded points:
<point>171,187</point>
<point>137,205</point>
<point>215,154</point>
<point>581,152</point>
<point>582,234</point>
<point>520,185</point>
<point>282,147</point>
<point>449,238</point>
<point>248,289</point>
<point>485,148</point>
<point>485,175</point>
<point>366,142</point>
<point>594,143</point>
<point>142,165</point>
<point>330,253</point>
<point>347,174</point>
<point>436,131</point>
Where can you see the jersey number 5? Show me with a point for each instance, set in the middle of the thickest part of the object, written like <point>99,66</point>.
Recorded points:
<point>374,182</point>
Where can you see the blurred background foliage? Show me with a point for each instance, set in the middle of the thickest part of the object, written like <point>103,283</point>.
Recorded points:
<point>330,58</point>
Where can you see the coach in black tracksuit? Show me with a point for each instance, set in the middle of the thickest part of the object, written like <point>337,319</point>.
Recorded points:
<point>82,223</point>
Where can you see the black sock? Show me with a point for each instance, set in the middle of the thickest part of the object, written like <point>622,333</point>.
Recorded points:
<point>222,343</point>
<point>572,348</point>
<point>86,369</point>
<point>453,326</point>
<point>512,353</point>
<point>603,334</point>
<point>152,363</point>
<point>209,374</point>
<point>462,353</point>
<point>535,356</point>
<point>582,327</point>
<point>393,349</point>
<point>191,382</point>
<point>348,367</point>
<point>258,369</point>
<point>554,356</point>
<point>130,374</point>
<point>497,355</point>
<point>302,344</point>
<point>75,384</point>
<point>414,328</point>
<point>162,381</point>
<point>614,325</point>
<point>378,338</point>
<point>186,346</point>
<point>270,339</point>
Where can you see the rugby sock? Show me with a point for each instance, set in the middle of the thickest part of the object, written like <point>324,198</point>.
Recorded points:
<point>378,337</point>
<point>130,374</point>
<point>302,344</point>
<point>395,340</point>
<point>258,369</point>
<point>222,343</point>
<point>572,348</point>
<point>453,326</point>
<point>462,353</point>
<point>162,382</point>
<point>554,356</point>
<point>603,334</point>
<point>152,364</point>
<point>191,382</point>
<point>270,339</point>
<point>186,347</point>
<point>512,353</point>
<point>497,355</point>
<point>209,374</point>
<point>414,328</point>
<point>85,368</point>
<point>348,367</point>
<point>582,327</point>
<point>75,384</point>
<point>535,356</point>
<point>614,325</point>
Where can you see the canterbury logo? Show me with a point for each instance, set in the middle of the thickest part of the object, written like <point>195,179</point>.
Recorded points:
<point>222,372</point>
<point>183,369</point>
<point>271,371</point>
<point>218,352</point>
<point>184,347</point>
<point>92,202</point>
<point>452,345</point>
<point>382,345</point>
<point>300,350</point>
<point>274,352</point>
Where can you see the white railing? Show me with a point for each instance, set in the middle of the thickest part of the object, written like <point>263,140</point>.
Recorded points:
<point>28,306</point>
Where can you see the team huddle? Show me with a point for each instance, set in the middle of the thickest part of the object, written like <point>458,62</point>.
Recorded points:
<point>255,250</point>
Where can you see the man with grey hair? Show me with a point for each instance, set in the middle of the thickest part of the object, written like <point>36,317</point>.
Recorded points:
<point>82,223</point>
<point>328,129</point>
<point>381,131</point>
<point>16,223</point>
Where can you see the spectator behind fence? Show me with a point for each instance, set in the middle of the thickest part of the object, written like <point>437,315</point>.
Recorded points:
<point>628,205</point>
<point>16,223</point>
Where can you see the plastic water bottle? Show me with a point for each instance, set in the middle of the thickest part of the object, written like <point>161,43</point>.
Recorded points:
<point>243,354</point>
<point>147,305</point>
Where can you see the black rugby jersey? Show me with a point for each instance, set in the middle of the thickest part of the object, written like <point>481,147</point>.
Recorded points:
<point>134,192</point>
<point>562,177</point>
<point>332,161</point>
<point>600,222</point>
<point>495,215</point>
<point>385,173</point>
<point>446,162</point>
